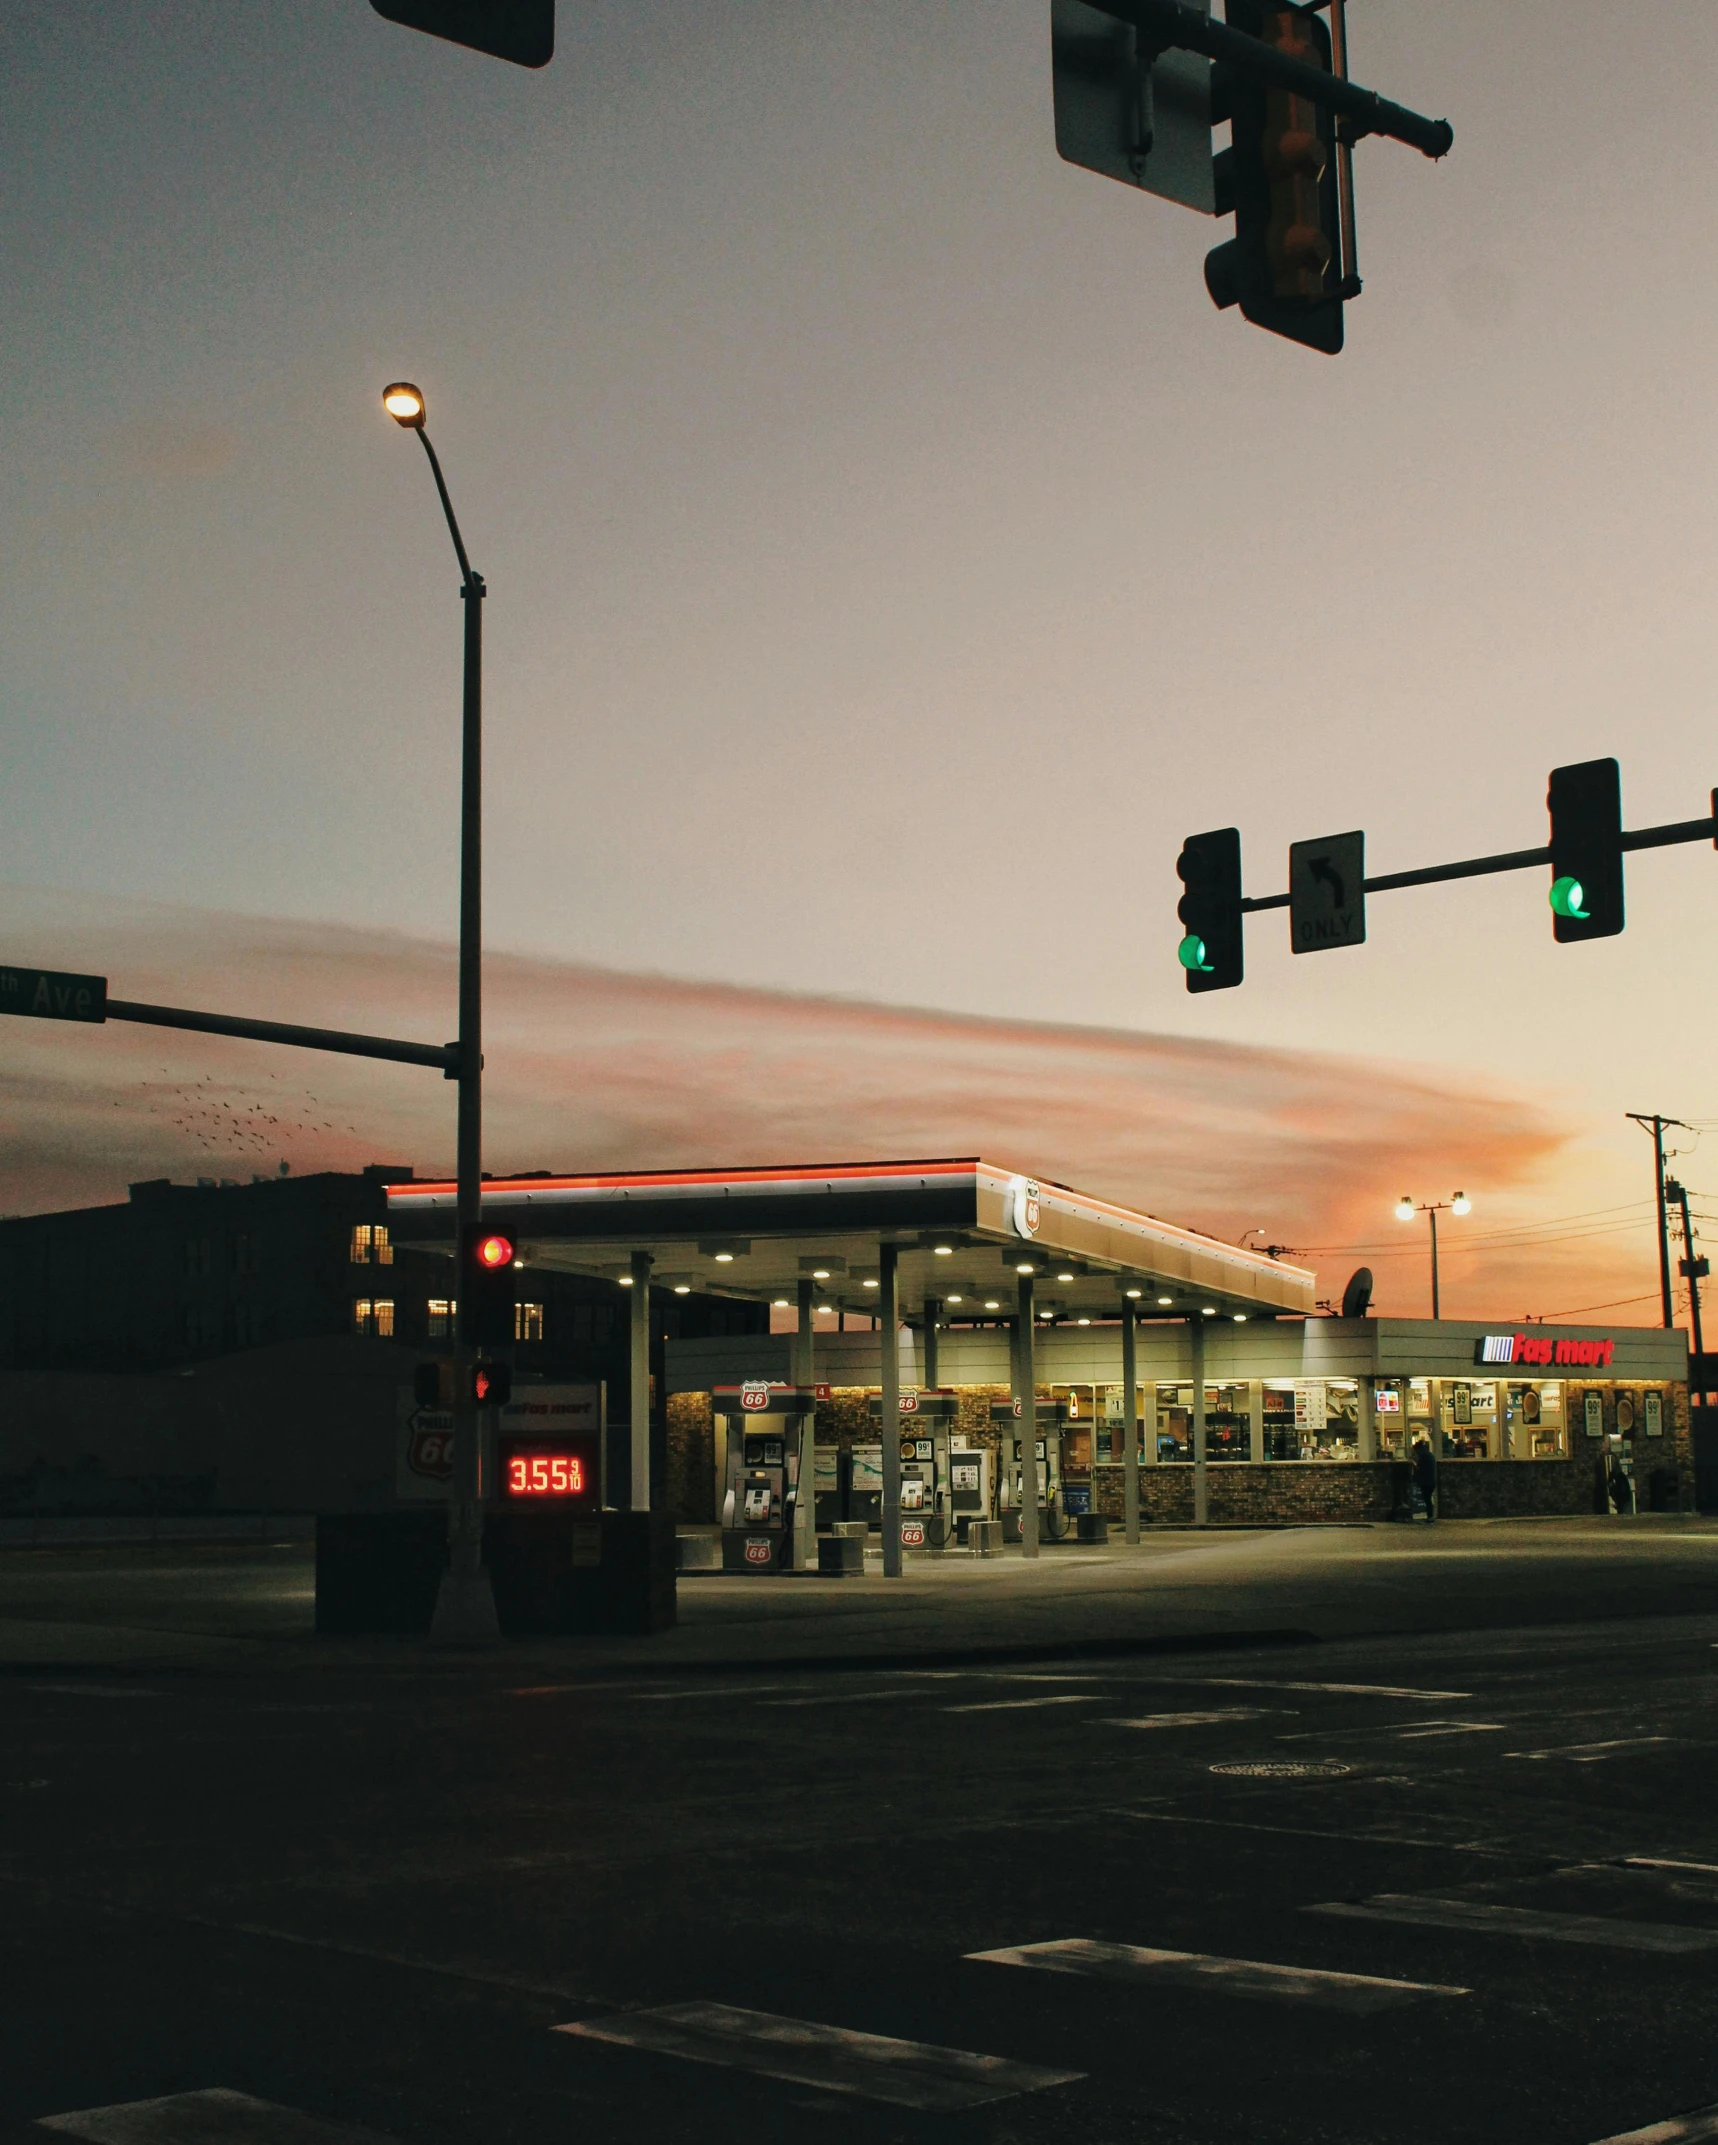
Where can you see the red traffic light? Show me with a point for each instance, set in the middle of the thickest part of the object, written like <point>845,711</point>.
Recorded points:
<point>494,1252</point>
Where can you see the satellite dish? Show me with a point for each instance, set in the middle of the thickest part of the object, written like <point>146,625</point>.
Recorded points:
<point>1357,1296</point>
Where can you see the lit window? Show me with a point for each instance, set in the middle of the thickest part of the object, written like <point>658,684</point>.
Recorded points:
<point>379,1240</point>
<point>385,1319</point>
<point>527,1321</point>
<point>441,1316</point>
<point>361,1234</point>
<point>361,1310</point>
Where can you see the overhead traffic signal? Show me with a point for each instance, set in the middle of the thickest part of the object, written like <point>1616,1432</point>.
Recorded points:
<point>1586,807</point>
<point>486,1272</point>
<point>1283,267</point>
<point>1210,910</point>
<point>519,30</point>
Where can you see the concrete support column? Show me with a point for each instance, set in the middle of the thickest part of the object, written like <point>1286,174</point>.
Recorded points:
<point>1026,1375</point>
<point>889,1320</point>
<point>1196,1339</point>
<point>1130,1419</point>
<point>638,1436</point>
<point>1368,1445</point>
<point>805,1373</point>
<point>1255,1420</point>
<point>933,1311</point>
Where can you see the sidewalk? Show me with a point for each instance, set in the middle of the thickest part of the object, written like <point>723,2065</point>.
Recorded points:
<point>193,1607</point>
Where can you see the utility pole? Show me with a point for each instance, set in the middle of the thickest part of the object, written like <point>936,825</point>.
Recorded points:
<point>1658,1126</point>
<point>1691,1267</point>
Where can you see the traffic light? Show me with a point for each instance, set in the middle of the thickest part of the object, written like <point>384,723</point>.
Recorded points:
<point>491,1384</point>
<point>1283,266</point>
<point>486,1280</point>
<point>1210,868</point>
<point>519,30</point>
<point>1586,803</point>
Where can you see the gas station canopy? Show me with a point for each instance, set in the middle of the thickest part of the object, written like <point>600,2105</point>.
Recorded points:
<point>964,1232</point>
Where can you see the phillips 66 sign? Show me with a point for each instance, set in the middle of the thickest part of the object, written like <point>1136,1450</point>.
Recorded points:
<point>1023,1206</point>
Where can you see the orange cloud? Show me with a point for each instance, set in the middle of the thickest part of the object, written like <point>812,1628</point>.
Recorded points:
<point>587,1068</point>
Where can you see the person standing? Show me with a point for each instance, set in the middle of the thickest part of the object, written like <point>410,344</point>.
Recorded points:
<point>1426,1474</point>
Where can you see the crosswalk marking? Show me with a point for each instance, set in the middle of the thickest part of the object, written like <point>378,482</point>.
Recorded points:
<point>1521,1921</point>
<point>214,2116</point>
<point>872,2066</point>
<point>1203,1969</point>
<point>1675,2130</point>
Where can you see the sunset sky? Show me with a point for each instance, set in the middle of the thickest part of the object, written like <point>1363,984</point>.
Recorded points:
<point>892,557</point>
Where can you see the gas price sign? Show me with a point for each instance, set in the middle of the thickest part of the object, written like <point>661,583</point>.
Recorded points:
<point>563,1473</point>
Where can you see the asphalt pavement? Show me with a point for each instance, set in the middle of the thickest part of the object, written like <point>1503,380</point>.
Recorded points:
<point>1337,1834</point>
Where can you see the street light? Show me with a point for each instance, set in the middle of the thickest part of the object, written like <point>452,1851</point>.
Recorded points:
<point>465,1606</point>
<point>1460,1203</point>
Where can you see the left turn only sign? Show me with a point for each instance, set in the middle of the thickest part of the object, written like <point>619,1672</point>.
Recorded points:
<point>47,994</point>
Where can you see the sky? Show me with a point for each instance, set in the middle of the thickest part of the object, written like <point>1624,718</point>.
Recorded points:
<point>892,557</point>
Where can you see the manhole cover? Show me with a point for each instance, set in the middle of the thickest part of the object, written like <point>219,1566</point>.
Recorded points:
<point>1285,1769</point>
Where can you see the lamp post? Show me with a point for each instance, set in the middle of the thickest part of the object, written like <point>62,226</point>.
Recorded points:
<point>465,1607</point>
<point>1406,1210</point>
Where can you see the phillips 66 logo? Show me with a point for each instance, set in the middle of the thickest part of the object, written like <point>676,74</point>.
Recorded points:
<point>429,1447</point>
<point>755,1393</point>
<point>1023,1206</point>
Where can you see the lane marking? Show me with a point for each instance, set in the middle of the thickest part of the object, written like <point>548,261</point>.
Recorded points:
<point>658,1698</point>
<point>214,2116</point>
<point>1590,1753</point>
<point>872,2066</point>
<point>1451,1727</point>
<point>1190,1720</point>
<point>836,1698</point>
<point>1520,1921</point>
<point>1015,1705</point>
<point>1675,2130</point>
<point>1275,1683</point>
<point>1699,1869</point>
<point>1204,1969</point>
<point>91,1690</point>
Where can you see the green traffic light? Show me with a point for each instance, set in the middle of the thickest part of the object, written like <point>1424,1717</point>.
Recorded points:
<point>1568,897</point>
<point>1191,954</point>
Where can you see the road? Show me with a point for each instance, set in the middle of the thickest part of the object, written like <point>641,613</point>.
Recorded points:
<point>1454,1879</point>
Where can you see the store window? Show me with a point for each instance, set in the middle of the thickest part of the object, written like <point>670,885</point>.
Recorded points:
<point>1389,1406</point>
<point>1467,1419</point>
<point>1109,1425</point>
<point>1325,1425</point>
<point>1228,1429</point>
<point>1281,1442</point>
<point>1533,1425</point>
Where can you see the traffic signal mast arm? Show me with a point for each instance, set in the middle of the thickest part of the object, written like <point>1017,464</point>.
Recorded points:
<point>1667,837</point>
<point>444,1057</point>
<point>1168,26</point>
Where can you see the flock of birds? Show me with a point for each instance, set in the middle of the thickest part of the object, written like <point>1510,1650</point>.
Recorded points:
<point>224,1119</point>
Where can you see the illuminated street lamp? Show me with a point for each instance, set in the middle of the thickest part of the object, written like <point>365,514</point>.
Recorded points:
<point>1406,1210</point>
<point>465,1607</point>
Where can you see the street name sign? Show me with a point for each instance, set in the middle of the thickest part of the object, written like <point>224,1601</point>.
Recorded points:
<point>48,994</point>
<point>1327,893</point>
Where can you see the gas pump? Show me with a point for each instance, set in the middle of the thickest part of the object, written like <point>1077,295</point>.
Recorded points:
<point>969,1480</point>
<point>927,1511</point>
<point>764,1527</point>
<point>1011,1474</point>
